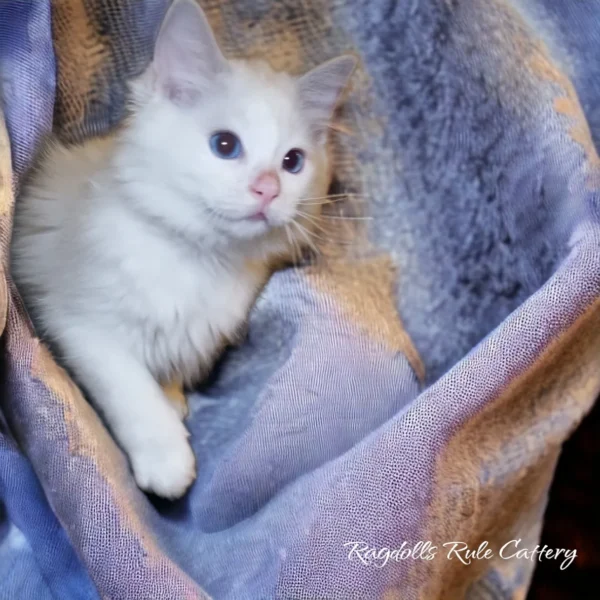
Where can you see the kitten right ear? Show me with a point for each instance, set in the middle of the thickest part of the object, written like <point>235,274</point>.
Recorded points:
<point>186,54</point>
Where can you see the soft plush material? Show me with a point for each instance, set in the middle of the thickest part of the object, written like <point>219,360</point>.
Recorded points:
<point>474,126</point>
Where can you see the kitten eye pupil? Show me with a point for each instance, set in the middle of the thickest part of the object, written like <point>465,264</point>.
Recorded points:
<point>225,144</point>
<point>293,161</point>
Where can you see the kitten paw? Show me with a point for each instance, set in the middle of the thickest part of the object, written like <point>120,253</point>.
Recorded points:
<point>165,467</point>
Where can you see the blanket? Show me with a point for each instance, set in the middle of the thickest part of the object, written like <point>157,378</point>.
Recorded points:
<point>407,394</point>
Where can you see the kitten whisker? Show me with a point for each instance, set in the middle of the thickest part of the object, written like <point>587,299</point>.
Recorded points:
<point>331,196</point>
<point>315,221</point>
<point>333,202</point>
<point>327,240</point>
<point>339,128</point>
<point>337,217</point>
<point>291,241</point>
<point>304,233</point>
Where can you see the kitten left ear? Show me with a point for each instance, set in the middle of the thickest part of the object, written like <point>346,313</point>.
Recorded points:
<point>186,54</point>
<point>321,88</point>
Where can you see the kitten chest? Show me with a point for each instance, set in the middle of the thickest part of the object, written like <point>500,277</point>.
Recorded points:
<point>190,312</point>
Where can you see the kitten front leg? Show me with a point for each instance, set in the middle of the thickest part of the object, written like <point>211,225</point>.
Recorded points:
<point>140,417</point>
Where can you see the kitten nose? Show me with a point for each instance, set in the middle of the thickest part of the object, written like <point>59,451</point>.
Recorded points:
<point>266,188</point>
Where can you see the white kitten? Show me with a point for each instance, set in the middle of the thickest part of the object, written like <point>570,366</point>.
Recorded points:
<point>140,254</point>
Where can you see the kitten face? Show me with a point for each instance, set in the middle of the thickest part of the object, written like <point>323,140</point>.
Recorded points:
<point>230,150</point>
<point>231,147</point>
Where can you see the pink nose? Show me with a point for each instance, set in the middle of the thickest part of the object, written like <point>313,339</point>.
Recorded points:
<point>265,188</point>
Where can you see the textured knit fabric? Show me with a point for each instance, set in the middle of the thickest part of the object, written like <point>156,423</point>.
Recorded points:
<point>474,126</point>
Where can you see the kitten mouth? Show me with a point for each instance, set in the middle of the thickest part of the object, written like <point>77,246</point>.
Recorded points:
<point>259,216</point>
<point>255,224</point>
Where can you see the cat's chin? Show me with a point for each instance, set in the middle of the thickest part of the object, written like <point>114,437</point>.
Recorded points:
<point>248,229</point>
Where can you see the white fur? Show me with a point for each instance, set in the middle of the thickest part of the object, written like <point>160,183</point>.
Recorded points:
<point>135,254</point>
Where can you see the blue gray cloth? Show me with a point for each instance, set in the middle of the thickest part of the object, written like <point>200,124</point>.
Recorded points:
<point>475,127</point>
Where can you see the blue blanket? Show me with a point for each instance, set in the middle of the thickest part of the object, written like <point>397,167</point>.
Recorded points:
<point>324,453</point>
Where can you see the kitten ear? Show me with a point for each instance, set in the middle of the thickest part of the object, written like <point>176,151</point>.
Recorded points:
<point>186,54</point>
<point>321,88</point>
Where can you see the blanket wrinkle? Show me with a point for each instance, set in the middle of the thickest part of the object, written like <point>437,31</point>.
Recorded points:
<point>416,386</point>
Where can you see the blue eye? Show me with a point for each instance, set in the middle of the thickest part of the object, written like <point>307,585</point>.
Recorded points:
<point>225,144</point>
<point>293,161</point>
